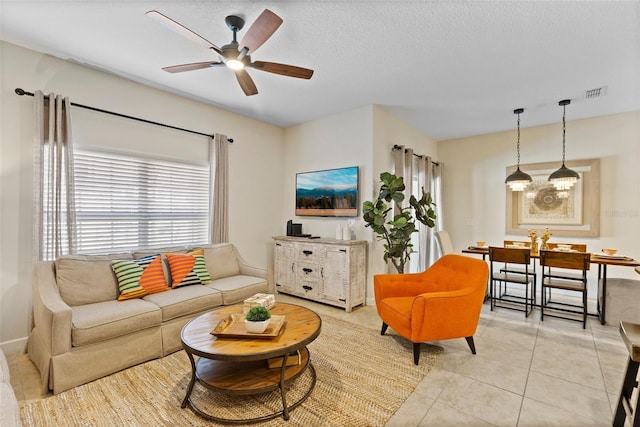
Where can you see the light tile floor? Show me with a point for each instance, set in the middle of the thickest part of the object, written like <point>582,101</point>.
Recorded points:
<point>525,373</point>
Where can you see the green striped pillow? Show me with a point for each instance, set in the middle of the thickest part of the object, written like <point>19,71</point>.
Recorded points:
<point>188,269</point>
<point>139,277</point>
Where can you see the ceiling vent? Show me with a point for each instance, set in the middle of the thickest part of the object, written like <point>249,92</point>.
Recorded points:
<point>597,92</point>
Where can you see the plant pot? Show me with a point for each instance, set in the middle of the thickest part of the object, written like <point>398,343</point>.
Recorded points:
<point>256,327</point>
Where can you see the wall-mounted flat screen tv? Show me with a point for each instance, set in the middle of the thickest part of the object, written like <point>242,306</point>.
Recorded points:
<point>332,192</point>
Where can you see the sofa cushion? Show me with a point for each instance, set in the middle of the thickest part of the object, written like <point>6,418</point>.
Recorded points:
<point>87,279</point>
<point>102,321</point>
<point>222,260</point>
<point>139,277</point>
<point>185,300</point>
<point>238,288</point>
<point>188,269</point>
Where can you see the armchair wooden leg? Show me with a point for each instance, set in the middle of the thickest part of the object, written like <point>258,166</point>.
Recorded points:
<point>416,352</point>
<point>471,344</point>
<point>384,328</point>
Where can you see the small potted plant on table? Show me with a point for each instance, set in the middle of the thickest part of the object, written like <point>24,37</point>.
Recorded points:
<point>257,319</point>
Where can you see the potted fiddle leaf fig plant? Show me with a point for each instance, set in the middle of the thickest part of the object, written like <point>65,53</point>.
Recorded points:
<point>257,319</point>
<point>396,232</point>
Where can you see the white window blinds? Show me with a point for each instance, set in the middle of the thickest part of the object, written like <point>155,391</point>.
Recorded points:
<point>125,202</point>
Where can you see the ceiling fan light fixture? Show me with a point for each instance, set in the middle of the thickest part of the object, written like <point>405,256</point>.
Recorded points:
<point>564,178</point>
<point>236,56</point>
<point>234,64</point>
<point>518,181</point>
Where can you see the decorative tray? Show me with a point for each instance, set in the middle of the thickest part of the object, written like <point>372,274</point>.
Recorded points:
<point>478,247</point>
<point>233,327</point>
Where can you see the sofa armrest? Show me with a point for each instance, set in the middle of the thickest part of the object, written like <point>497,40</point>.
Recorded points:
<point>248,270</point>
<point>51,315</point>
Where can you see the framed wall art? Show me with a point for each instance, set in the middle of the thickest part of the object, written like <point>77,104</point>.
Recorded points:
<point>575,212</point>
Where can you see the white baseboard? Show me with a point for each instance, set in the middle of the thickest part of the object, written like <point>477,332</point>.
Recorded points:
<point>14,346</point>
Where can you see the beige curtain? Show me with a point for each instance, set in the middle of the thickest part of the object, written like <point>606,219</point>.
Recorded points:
<point>54,208</point>
<point>219,199</point>
<point>420,172</point>
<point>436,193</point>
<point>426,237</point>
<point>403,161</point>
<point>403,167</point>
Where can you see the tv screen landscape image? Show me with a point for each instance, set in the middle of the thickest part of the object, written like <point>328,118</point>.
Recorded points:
<point>332,192</point>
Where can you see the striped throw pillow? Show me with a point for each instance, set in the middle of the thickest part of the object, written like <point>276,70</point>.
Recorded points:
<point>188,269</point>
<point>139,277</point>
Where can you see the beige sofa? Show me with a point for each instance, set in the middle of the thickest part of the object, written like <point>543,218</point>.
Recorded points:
<point>9,407</point>
<point>82,332</point>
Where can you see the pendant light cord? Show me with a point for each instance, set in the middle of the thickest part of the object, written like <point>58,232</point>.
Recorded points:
<point>564,112</point>
<point>518,143</point>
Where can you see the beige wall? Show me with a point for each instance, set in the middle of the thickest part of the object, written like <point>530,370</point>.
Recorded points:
<point>256,160</point>
<point>475,195</point>
<point>362,137</point>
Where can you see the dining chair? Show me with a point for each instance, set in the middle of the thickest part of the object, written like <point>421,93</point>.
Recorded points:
<point>517,268</point>
<point>566,274</point>
<point>502,261</point>
<point>555,265</point>
<point>444,242</point>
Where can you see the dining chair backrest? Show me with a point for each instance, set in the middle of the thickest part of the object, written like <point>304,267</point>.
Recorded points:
<point>509,255</point>
<point>568,260</point>
<point>444,241</point>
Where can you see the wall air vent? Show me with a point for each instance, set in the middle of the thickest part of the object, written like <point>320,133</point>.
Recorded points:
<point>597,92</point>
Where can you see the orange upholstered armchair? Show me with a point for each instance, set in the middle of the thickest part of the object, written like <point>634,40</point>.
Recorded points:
<point>440,303</point>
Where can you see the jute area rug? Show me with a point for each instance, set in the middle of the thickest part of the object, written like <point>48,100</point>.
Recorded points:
<point>362,379</point>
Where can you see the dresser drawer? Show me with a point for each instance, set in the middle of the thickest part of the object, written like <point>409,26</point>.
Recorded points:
<point>304,252</point>
<point>308,270</point>
<point>310,288</point>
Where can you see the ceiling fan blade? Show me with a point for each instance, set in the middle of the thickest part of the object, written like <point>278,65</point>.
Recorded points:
<point>283,69</point>
<point>190,67</point>
<point>246,83</point>
<point>266,24</point>
<point>181,29</point>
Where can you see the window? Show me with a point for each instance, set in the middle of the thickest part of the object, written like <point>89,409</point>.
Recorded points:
<point>125,202</point>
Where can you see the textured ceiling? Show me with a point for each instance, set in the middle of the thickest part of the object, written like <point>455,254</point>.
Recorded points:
<point>449,68</point>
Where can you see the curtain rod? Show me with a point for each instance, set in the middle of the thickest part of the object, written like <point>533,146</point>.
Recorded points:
<point>420,156</point>
<point>22,92</point>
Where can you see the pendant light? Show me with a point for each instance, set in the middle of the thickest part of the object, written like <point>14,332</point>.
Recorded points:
<point>518,180</point>
<point>564,178</point>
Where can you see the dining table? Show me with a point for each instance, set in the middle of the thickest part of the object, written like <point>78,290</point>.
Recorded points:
<point>601,260</point>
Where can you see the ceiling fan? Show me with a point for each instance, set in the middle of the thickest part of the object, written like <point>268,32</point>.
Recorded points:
<point>234,55</point>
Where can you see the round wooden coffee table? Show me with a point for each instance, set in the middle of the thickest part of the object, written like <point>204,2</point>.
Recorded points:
<point>238,365</point>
